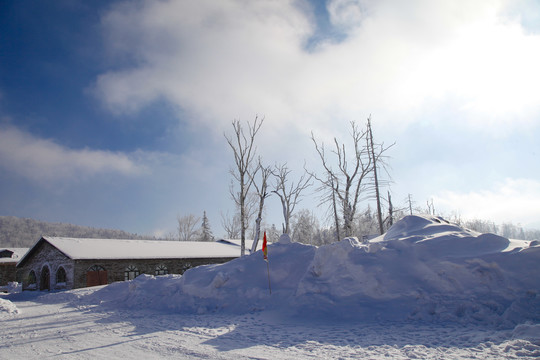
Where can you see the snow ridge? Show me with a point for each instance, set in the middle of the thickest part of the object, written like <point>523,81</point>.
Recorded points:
<point>423,268</point>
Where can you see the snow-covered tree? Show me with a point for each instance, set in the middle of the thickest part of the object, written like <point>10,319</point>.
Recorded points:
<point>272,234</point>
<point>206,232</point>
<point>305,227</point>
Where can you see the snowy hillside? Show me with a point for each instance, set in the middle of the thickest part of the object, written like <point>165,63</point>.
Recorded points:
<point>423,268</point>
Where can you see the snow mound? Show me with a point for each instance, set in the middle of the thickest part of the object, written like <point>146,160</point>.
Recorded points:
<point>423,268</point>
<point>7,308</point>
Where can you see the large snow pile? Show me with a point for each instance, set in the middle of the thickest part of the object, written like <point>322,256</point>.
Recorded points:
<point>423,268</point>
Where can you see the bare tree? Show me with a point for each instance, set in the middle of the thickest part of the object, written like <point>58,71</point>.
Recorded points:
<point>289,194</point>
<point>244,149</point>
<point>262,194</point>
<point>410,202</point>
<point>187,230</point>
<point>377,158</point>
<point>231,225</point>
<point>346,183</point>
<point>430,207</point>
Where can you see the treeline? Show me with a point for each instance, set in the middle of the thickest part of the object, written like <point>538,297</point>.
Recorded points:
<point>20,232</point>
<point>508,230</point>
<point>306,228</point>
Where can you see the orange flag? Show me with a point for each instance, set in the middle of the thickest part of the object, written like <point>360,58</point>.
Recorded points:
<point>264,249</point>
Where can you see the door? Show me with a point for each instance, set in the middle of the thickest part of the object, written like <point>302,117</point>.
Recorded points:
<point>45,280</point>
<point>96,275</point>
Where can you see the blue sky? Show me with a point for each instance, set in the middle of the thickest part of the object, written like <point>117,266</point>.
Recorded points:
<point>112,113</point>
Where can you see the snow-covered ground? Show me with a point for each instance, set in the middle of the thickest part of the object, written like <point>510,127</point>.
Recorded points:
<point>426,289</point>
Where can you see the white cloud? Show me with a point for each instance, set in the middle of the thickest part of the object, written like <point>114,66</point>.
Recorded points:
<point>346,14</point>
<point>513,200</point>
<point>223,60</point>
<point>41,159</point>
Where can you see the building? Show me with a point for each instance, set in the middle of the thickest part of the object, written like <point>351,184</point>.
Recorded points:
<point>8,264</point>
<point>70,263</point>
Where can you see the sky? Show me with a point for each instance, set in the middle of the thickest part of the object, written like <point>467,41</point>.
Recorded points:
<point>113,113</point>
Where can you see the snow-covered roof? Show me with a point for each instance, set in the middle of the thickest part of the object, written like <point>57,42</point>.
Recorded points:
<point>17,254</point>
<point>78,249</point>
<point>238,242</point>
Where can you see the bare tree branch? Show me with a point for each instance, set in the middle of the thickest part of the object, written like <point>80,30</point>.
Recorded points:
<point>347,183</point>
<point>289,194</point>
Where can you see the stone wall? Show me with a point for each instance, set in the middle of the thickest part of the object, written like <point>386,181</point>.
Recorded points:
<point>8,273</point>
<point>46,255</point>
<point>116,269</point>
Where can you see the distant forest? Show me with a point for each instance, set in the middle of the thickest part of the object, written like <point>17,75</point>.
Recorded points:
<point>18,232</point>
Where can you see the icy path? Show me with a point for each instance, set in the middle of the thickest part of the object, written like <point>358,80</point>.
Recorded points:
<point>50,326</point>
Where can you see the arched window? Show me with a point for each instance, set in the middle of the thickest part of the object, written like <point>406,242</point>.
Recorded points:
<point>161,270</point>
<point>32,280</point>
<point>184,267</point>
<point>96,268</point>
<point>61,275</point>
<point>131,272</point>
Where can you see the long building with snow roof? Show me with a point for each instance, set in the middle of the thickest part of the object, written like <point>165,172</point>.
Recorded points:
<point>69,263</point>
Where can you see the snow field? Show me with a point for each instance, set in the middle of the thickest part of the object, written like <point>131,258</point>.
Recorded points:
<point>427,289</point>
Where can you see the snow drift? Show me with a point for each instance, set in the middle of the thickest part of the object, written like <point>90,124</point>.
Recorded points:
<point>423,268</point>
<point>7,308</point>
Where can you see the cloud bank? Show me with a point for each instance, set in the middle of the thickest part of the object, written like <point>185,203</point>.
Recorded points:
<point>513,200</point>
<point>398,60</point>
<point>38,159</point>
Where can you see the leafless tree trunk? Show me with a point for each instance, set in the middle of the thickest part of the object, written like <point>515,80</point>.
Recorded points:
<point>375,178</point>
<point>376,152</point>
<point>346,183</point>
<point>289,194</point>
<point>430,207</point>
<point>187,227</point>
<point>390,211</point>
<point>244,149</point>
<point>262,194</point>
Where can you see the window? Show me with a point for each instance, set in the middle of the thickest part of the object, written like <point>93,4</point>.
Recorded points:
<point>32,280</point>
<point>96,268</point>
<point>131,272</point>
<point>6,253</point>
<point>61,275</point>
<point>161,270</point>
<point>184,267</point>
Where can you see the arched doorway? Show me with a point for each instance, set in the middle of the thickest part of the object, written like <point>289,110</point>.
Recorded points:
<point>45,279</point>
<point>96,275</point>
